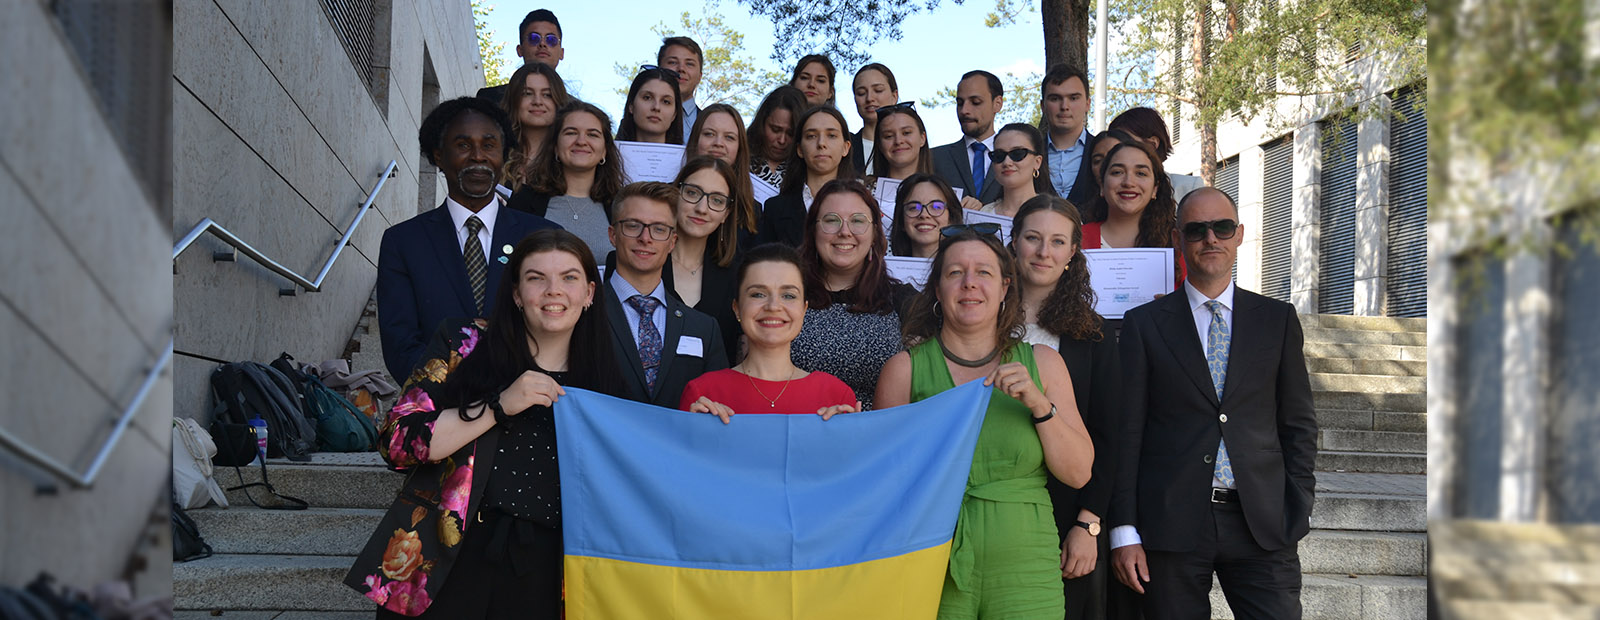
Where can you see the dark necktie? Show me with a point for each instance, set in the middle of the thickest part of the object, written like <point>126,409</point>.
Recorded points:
<point>477,266</point>
<point>649,338</point>
<point>980,166</point>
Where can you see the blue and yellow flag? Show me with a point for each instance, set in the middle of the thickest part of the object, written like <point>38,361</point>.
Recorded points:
<point>674,515</point>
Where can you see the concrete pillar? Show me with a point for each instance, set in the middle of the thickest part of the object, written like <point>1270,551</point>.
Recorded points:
<point>1252,176</point>
<point>1372,209</point>
<point>1443,403</point>
<point>1524,397</point>
<point>1306,221</point>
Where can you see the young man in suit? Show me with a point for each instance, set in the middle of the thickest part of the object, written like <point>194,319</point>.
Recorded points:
<point>446,263</point>
<point>660,343</point>
<point>1064,115</point>
<point>539,39</point>
<point>965,163</point>
<point>682,54</point>
<point>1218,441</point>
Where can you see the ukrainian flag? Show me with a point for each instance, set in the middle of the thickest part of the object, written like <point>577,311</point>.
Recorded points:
<point>674,515</point>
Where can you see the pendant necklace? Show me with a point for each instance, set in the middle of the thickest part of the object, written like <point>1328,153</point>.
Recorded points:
<point>773,402</point>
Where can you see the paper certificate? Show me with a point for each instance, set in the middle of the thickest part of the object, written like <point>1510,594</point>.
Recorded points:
<point>648,161</point>
<point>975,217</point>
<point>762,190</point>
<point>909,269</point>
<point>1125,278</point>
<point>885,193</point>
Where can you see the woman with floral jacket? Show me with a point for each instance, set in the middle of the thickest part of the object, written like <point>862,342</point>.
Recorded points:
<point>476,530</point>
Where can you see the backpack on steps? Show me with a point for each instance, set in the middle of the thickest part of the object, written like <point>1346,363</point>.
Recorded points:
<point>245,390</point>
<point>341,427</point>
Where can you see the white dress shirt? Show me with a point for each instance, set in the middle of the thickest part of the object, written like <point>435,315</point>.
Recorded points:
<point>487,215</point>
<point>1124,535</point>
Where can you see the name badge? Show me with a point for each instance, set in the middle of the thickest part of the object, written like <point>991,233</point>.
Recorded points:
<point>691,346</point>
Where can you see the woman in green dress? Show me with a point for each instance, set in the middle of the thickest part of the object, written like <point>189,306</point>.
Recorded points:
<point>966,325</point>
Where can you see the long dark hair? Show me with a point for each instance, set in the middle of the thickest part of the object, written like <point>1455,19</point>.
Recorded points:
<point>627,129</point>
<point>1161,215</point>
<point>1041,180</point>
<point>880,159</point>
<point>870,293</point>
<point>796,172</point>
<point>1145,123</point>
<point>518,164</point>
<point>549,176</point>
<point>899,240</point>
<point>784,97</point>
<point>833,96</point>
<point>725,239</point>
<point>923,319</point>
<point>1095,209</point>
<point>502,353</point>
<point>743,195</point>
<point>1068,311</point>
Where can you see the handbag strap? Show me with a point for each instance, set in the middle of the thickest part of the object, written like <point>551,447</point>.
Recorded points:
<point>290,502</point>
<point>197,452</point>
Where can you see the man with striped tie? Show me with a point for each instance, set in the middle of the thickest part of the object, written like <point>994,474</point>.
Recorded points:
<point>446,263</point>
<point>1214,471</point>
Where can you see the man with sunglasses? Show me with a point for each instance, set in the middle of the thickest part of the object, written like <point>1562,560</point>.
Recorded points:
<point>539,40</point>
<point>1218,441</point>
<point>659,343</point>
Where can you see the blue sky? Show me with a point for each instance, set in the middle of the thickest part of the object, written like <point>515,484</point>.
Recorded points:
<point>935,50</point>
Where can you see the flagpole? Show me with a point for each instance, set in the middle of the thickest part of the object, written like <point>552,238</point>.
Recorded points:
<point>1100,67</point>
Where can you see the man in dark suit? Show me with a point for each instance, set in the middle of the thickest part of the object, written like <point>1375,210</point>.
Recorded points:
<point>1218,441</point>
<point>446,263</point>
<point>660,343</point>
<point>539,39</point>
<point>965,163</point>
<point>1063,118</point>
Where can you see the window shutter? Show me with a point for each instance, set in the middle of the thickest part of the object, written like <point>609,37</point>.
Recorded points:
<point>1277,213</point>
<point>1337,246</point>
<point>1408,207</point>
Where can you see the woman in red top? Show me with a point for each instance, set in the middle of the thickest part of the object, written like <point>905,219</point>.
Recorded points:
<point>770,306</point>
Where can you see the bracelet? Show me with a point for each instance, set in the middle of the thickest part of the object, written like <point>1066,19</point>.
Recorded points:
<point>1047,416</point>
<point>500,416</point>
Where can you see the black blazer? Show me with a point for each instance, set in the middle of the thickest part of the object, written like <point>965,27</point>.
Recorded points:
<point>1086,187</point>
<point>716,297</point>
<point>422,279</point>
<point>493,94</point>
<point>1172,422</point>
<point>676,370</point>
<point>531,202</point>
<point>783,220</point>
<point>857,155</point>
<point>953,163</point>
<point>1096,369</point>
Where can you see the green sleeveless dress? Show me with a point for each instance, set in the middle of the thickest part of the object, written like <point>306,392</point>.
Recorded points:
<point>1005,561</point>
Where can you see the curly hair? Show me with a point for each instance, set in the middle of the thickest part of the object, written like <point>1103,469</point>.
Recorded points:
<point>518,164</point>
<point>628,129</point>
<point>743,194</point>
<point>431,134</point>
<point>1161,214</point>
<point>899,240</point>
<point>923,318</point>
<point>1095,209</point>
<point>1068,311</point>
<point>549,175</point>
<point>871,291</point>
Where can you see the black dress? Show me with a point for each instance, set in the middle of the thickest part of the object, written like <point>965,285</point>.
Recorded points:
<point>852,346</point>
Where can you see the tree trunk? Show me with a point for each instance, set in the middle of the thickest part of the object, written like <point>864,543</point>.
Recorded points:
<point>1204,119</point>
<point>1066,33</point>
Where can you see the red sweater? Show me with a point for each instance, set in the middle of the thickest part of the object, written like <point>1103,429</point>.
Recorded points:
<point>746,394</point>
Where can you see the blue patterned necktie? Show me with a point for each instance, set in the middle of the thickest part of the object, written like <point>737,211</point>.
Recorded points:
<point>649,337</point>
<point>980,166</point>
<point>1217,359</point>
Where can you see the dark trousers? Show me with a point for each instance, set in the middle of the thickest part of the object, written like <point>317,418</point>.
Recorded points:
<point>1258,584</point>
<point>483,585</point>
<point>1098,595</point>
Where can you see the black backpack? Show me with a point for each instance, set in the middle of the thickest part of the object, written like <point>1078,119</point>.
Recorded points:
<point>187,544</point>
<point>245,390</point>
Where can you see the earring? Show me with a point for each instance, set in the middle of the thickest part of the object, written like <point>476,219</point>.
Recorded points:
<point>1002,305</point>
<point>936,312</point>
<point>1035,173</point>
<point>602,161</point>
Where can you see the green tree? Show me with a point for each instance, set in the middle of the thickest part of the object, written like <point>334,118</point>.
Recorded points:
<point>489,52</point>
<point>728,75</point>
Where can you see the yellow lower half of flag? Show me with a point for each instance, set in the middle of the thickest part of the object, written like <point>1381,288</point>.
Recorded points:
<point>904,586</point>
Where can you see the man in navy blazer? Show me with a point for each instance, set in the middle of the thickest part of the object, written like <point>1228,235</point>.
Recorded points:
<point>1063,118</point>
<point>979,97</point>
<point>446,263</point>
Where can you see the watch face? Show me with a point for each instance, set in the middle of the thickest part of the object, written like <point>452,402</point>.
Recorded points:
<point>1094,528</point>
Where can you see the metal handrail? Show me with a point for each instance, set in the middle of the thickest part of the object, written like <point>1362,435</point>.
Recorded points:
<point>208,225</point>
<point>86,479</point>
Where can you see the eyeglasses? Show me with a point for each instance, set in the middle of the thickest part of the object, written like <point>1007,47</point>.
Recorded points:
<point>635,229</point>
<point>693,194</point>
<point>934,208</point>
<point>982,228</point>
<point>831,224</point>
<point>1196,231</point>
<point>670,73</point>
<point>1016,154</point>
<point>550,40</point>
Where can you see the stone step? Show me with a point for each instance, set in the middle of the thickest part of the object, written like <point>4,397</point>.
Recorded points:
<point>314,531</point>
<point>1364,553</point>
<point>1372,462</point>
<point>1528,584</point>
<point>1362,336</point>
<point>1503,610</point>
<point>1348,596</point>
<point>1369,512</point>
<point>1369,323</point>
<point>1372,441</point>
<point>1370,401</point>
<point>1342,350</point>
<point>1392,421</point>
<point>1358,366</point>
<point>266,582</point>
<point>322,486</point>
<point>1368,384</point>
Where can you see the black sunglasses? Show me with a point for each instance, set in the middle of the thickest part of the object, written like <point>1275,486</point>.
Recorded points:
<point>904,105</point>
<point>982,228</point>
<point>1016,154</point>
<point>670,73</point>
<point>550,40</point>
<point>1196,231</point>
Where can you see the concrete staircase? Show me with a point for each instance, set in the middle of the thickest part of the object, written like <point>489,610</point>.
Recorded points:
<point>1365,557</point>
<point>1483,570</point>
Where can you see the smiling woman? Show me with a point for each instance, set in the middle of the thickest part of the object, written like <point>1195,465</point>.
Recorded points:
<point>577,174</point>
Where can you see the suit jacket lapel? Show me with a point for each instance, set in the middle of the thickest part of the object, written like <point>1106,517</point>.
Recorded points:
<point>623,332</point>
<point>1176,325</point>
<point>506,235</point>
<point>1247,311</point>
<point>669,340</point>
<point>442,235</point>
<point>963,159</point>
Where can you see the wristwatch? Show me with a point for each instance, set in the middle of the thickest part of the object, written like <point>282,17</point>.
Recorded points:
<point>1094,528</point>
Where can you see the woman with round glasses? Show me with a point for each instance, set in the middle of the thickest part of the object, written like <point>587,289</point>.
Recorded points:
<point>703,262</point>
<point>1018,158</point>
<point>719,132</point>
<point>853,324</point>
<point>1058,311</point>
<point>822,155</point>
<point>923,206</point>
<point>771,133</point>
<point>576,175</point>
<point>874,88</point>
<point>1137,200</point>
<point>965,326</point>
<point>652,113</point>
<point>532,106</point>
